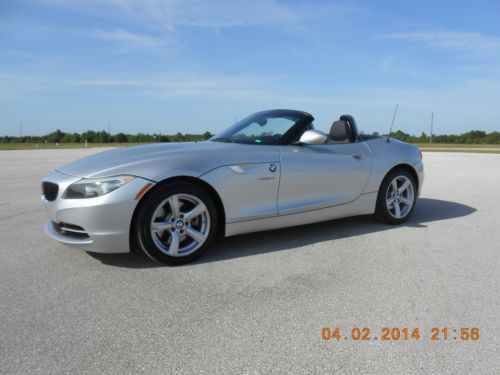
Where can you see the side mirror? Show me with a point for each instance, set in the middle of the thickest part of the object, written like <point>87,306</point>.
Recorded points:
<point>313,137</point>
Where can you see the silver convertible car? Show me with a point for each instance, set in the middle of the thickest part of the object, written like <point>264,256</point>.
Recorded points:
<point>270,170</point>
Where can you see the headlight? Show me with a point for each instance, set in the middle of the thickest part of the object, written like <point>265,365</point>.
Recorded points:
<point>95,187</point>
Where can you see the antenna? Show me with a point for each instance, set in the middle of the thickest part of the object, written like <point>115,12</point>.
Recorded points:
<point>392,123</point>
<point>109,130</point>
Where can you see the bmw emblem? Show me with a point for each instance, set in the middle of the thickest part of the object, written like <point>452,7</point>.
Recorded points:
<point>272,168</point>
<point>179,224</point>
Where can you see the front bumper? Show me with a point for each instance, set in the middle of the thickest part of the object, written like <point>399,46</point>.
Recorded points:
<point>102,223</point>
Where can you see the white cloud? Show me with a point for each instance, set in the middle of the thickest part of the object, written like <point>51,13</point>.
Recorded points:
<point>162,21</point>
<point>484,84</point>
<point>107,82</point>
<point>132,40</point>
<point>456,106</point>
<point>172,14</point>
<point>194,86</point>
<point>469,44</point>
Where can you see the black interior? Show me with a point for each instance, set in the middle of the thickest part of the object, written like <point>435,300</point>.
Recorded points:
<point>340,132</point>
<point>343,130</point>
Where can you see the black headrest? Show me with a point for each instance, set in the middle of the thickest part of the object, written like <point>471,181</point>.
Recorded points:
<point>340,131</point>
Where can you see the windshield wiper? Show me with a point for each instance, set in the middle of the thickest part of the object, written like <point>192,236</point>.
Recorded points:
<point>222,139</point>
<point>233,140</point>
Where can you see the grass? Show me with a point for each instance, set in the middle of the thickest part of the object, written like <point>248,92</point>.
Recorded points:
<point>452,145</point>
<point>437,147</point>
<point>47,146</point>
<point>448,147</point>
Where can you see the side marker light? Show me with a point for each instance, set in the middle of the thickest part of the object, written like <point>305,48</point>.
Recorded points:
<point>142,191</point>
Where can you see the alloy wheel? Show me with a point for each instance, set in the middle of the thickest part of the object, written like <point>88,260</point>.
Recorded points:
<point>399,197</point>
<point>180,225</point>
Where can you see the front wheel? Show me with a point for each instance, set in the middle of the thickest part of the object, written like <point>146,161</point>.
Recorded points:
<point>176,223</point>
<point>397,197</point>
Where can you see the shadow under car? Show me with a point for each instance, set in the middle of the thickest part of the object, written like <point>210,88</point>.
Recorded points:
<point>427,211</point>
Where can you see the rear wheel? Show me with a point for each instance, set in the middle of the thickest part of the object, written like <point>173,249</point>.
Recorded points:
<point>176,223</point>
<point>397,197</point>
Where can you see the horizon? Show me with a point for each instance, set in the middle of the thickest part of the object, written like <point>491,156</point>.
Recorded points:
<point>104,132</point>
<point>193,67</point>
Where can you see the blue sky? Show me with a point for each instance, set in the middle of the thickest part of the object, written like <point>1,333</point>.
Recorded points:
<point>192,65</point>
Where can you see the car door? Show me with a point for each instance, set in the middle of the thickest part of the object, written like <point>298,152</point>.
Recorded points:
<point>319,176</point>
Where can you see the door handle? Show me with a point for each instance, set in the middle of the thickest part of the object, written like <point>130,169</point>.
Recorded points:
<point>359,156</point>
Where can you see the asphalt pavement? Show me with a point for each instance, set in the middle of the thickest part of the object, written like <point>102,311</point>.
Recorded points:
<point>257,303</point>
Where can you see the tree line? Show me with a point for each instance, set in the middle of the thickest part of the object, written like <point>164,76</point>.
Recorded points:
<point>91,136</point>
<point>471,137</point>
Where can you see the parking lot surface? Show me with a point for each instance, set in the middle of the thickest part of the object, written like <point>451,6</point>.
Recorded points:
<point>257,303</point>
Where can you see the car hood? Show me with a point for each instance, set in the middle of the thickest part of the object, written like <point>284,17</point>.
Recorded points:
<point>162,160</point>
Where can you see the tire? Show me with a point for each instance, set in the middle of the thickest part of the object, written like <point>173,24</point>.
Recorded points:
<point>389,197</point>
<point>165,228</point>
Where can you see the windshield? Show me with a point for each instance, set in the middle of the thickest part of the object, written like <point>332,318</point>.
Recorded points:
<point>266,128</point>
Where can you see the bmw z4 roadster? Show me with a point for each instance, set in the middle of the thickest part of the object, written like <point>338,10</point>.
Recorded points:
<point>270,170</point>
